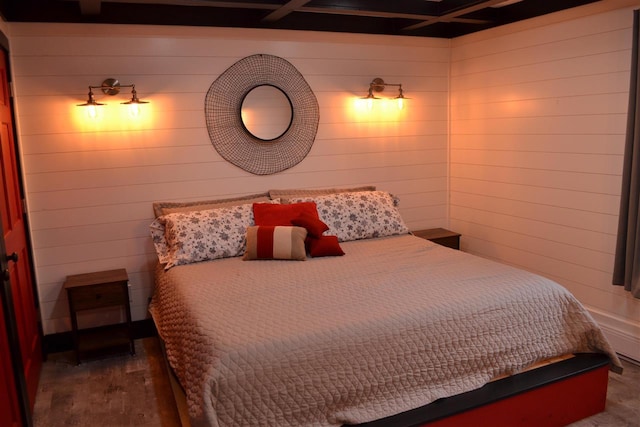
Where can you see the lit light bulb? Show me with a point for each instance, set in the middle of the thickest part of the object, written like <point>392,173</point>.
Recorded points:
<point>370,103</point>
<point>134,109</point>
<point>134,103</point>
<point>91,111</point>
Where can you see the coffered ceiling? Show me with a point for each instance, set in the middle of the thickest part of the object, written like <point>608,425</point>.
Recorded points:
<point>423,18</point>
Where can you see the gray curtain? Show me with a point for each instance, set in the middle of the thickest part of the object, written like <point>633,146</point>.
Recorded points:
<point>626,271</point>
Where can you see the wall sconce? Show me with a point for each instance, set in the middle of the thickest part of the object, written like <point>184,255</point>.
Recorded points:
<point>378,85</point>
<point>112,87</point>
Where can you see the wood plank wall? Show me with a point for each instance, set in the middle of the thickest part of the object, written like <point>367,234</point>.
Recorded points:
<point>538,116</point>
<point>90,184</point>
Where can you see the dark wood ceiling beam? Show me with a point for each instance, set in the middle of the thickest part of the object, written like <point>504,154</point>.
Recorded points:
<point>284,10</point>
<point>199,3</point>
<point>373,14</point>
<point>90,7</point>
<point>447,17</point>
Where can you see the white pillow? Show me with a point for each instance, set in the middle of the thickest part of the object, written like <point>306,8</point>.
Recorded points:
<point>358,215</point>
<point>187,237</point>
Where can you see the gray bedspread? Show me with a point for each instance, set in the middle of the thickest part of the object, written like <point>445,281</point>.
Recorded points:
<point>396,323</point>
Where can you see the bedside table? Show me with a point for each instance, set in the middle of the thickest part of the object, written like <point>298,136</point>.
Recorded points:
<point>98,290</point>
<point>440,236</point>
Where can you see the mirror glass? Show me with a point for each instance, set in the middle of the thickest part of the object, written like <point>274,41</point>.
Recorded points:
<point>266,112</point>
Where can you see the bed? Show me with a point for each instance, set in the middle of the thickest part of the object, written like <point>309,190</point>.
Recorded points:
<point>377,324</point>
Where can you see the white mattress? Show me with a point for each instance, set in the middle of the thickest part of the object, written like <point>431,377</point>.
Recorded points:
<point>396,323</point>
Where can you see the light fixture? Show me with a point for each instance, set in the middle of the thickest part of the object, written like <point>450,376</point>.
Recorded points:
<point>378,85</point>
<point>91,104</point>
<point>400,98</point>
<point>112,87</point>
<point>370,96</point>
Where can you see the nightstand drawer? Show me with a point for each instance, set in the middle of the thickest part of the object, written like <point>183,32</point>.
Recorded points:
<point>97,296</point>
<point>440,236</point>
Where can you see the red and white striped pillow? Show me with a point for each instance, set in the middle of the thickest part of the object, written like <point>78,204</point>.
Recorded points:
<point>275,242</point>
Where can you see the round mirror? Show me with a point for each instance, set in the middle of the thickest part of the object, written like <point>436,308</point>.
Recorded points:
<point>266,112</point>
<point>241,141</point>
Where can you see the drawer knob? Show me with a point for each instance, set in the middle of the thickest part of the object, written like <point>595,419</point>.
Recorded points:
<point>13,257</point>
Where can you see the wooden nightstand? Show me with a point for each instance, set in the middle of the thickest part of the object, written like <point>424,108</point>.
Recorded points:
<point>98,290</point>
<point>440,236</point>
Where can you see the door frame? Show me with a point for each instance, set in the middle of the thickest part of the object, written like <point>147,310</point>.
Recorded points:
<point>4,44</point>
<point>7,296</point>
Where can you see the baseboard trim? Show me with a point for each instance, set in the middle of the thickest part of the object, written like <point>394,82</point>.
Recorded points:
<point>623,336</point>
<point>63,341</point>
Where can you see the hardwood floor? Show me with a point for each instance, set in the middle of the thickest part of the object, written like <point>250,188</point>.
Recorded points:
<point>112,392</point>
<point>135,391</point>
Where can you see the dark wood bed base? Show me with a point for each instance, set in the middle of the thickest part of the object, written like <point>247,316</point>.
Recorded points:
<point>553,395</point>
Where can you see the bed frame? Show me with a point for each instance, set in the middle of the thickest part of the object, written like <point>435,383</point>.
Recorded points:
<point>553,395</point>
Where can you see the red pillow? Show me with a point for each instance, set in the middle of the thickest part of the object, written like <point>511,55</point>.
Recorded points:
<point>324,246</point>
<point>277,214</point>
<point>312,223</point>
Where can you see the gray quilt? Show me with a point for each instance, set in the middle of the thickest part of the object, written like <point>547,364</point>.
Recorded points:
<point>396,323</point>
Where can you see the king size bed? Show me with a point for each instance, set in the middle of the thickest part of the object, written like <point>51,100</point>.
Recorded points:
<point>378,323</point>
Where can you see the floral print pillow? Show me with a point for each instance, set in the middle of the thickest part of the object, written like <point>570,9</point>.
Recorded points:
<point>358,215</point>
<point>184,238</point>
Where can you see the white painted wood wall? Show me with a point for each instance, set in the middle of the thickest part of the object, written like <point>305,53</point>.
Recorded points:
<point>538,116</point>
<point>90,184</point>
<point>534,137</point>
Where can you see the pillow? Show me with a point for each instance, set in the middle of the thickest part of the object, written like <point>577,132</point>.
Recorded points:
<point>358,215</point>
<point>277,214</point>
<point>324,246</point>
<point>184,238</point>
<point>314,226</point>
<point>163,208</point>
<point>285,195</point>
<point>275,242</point>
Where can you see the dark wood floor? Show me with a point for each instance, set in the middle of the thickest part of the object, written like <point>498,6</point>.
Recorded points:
<point>135,391</point>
